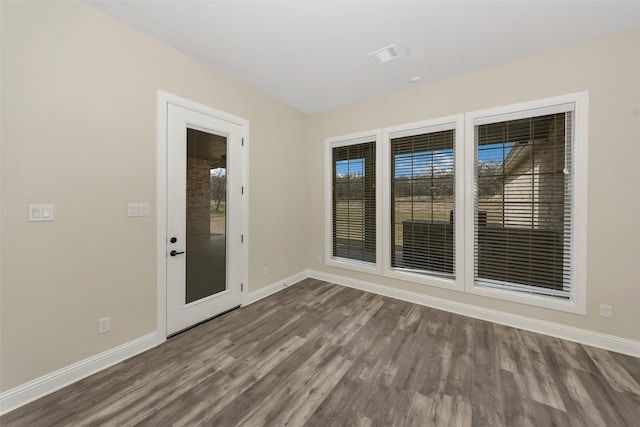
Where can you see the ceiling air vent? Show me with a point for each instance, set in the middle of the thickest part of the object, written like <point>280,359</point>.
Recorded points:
<point>385,54</point>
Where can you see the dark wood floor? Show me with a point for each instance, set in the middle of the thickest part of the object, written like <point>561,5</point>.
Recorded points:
<point>318,354</point>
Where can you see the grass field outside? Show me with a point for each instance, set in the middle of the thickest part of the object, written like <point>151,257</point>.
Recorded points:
<point>406,208</point>
<point>218,218</point>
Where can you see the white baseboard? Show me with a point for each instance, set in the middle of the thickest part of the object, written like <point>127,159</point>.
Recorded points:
<point>271,289</point>
<point>570,333</point>
<point>49,383</point>
<point>35,389</point>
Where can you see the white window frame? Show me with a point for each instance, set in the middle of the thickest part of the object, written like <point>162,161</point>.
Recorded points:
<point>577,300</point>
<point>455,122</point>
<point>341,141</point>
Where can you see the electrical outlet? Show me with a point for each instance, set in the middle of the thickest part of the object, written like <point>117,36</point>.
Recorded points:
<point>104,325</point>
<point>265,271</point>
<point>606,310</point>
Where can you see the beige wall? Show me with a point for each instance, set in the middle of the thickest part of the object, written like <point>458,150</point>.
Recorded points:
<point>609,69</point>
<point>79,131</point>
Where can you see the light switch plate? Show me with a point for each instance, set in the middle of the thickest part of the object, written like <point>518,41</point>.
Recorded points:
<point>138,209</point>
<point>41,213</point>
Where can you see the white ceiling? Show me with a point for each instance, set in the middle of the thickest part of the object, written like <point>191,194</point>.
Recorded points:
<point>312,55</point>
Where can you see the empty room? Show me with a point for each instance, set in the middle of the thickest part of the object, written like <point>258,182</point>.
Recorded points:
<point>319,213</point>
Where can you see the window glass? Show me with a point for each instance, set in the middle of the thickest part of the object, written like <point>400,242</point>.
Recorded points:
<point>523,208</point>
<point>354,202</point>
<point>422,203</point>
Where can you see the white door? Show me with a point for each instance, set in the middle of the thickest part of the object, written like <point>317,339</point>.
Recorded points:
<point>204,217</point>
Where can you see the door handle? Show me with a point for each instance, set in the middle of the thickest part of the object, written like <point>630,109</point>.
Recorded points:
<point>174,253</point>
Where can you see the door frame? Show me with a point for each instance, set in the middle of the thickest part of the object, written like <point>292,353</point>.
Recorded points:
<point>164,99</point>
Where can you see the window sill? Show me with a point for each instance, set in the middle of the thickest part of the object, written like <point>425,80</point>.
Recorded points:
<point>424,279</point>
<point>349,264</point>
<point>552,303</point>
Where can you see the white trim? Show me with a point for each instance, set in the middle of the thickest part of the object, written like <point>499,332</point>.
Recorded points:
<point>161,216</point>
<point>28,392</point>
<point>354,138</point>
<point>341,141</point>
<point>273,288</point>
<point>580,191</point>
<point>425,126</point>
<point>523,111</point>
<point>244,270</point>
<point>454,122</point>
<point>579,103</point>
<point>35,389</point>
<point>164,99</point>
<point>570,333</point>
<point>169,98</point>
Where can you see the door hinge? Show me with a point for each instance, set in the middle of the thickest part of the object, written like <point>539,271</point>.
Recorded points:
<point>241,287</point>
<point>242,190</point>
<point>243,142</point>
<point>242,238</point>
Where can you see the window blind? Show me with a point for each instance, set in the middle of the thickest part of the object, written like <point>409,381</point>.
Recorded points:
<point>354,202</point>
<point>422,203</point>
<point>523,199</point>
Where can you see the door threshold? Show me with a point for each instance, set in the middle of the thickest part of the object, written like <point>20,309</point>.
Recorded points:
<point>204,321</point>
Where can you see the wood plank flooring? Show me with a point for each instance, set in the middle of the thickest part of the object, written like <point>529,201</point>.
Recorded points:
<point>318,354</point>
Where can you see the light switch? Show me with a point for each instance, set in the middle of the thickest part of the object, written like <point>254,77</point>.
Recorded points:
<point>138,209</point>
<point>40,212</point>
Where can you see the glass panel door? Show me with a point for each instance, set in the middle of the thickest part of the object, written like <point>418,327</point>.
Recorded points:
<point>204,206</point>
<point>206,219</point>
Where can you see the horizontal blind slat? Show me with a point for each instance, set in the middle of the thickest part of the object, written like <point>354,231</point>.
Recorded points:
<point>422,202</point>
<point>354,202</point>
<point>522,225</point>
